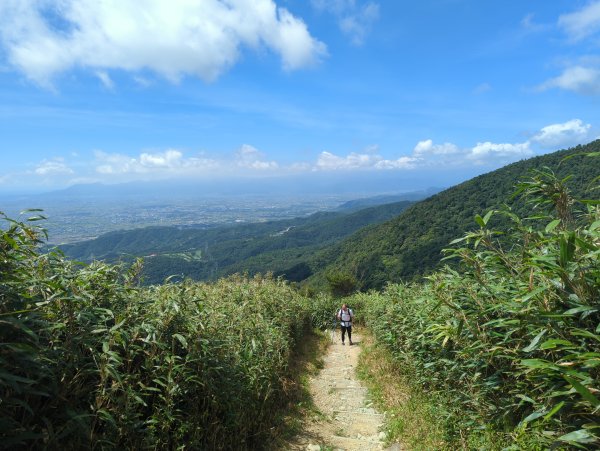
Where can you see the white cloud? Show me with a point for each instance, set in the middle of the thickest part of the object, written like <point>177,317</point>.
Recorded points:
<point>114,163</point>
<point>427,147</point>
<point>428,154</point>
<point>250,157</point>
<point>169,162</point>
<point>172,162</point>
<point>356,21</point>
<point>167,159</point>
<point>580,79</point>
<point>582,23</point>
<point>567,134</point>
<point>328,161</point>
<point>247,160</point>
<point>53,167</point>
<point>485,151</point>
<point>173,38</point>
<point>105,79</point>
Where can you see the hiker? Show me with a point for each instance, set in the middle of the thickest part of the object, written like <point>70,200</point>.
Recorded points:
<point>346,315</point>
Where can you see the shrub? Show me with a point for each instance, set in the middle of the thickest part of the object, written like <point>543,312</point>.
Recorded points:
<point>89,359</point>
<point>511,341</point>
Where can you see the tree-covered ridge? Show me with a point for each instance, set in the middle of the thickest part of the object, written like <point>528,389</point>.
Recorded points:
<point>508,343</point>
<point>410,245</point>
<point>206,254</point>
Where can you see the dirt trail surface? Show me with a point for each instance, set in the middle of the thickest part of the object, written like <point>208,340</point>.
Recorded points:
<point>346,419</point>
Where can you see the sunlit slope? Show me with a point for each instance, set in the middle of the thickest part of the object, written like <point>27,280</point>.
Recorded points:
<point>204,254</point>
<point>410,245</point>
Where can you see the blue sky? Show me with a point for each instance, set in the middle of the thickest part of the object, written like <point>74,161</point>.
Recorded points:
<point>433,91</point>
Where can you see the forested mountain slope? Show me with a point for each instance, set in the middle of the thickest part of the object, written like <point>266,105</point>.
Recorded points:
<point>410,245</point>
<point>205,254</point>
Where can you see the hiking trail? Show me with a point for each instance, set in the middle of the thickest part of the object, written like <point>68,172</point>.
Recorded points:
<point>345,418</point>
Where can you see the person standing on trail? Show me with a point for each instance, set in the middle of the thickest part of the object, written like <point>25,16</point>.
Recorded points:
<point>346,315</point>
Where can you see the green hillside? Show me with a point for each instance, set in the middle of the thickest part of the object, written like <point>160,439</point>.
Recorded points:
<point>503,351</point>
<point>206,254</point>
<point>92,360</point>
<point>410,245</point>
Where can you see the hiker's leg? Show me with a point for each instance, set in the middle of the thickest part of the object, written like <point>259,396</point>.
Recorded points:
<point>350,333</point>
<point>343,333</point>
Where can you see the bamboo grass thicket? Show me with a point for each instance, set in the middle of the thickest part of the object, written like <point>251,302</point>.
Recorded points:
<point>510,343</point>
<point>91,360</point>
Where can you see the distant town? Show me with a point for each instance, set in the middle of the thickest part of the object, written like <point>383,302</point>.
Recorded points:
<point>82,219</point>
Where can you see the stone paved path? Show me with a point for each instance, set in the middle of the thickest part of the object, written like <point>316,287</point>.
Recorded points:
<point>347,420</point>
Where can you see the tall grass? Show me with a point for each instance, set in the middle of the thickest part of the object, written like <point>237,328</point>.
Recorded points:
<point>90,360</point>
<point>512,341</point>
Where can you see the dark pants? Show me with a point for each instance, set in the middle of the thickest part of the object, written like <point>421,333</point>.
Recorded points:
<point>349,329</point>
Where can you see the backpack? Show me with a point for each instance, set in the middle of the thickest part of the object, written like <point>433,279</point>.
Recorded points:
<point>350,313</point>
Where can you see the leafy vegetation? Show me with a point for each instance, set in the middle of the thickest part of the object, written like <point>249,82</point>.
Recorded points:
<point>91,360</point>
<point>412,414</point>
<point>506,338</point>
<point>410,245</point>
<point>510,337</point>
<point>282,247</point>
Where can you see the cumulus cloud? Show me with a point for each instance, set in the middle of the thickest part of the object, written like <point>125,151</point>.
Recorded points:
<point>53,167</point>
<point>250,157</point>
<point>550,137</point>
<point>582,23</point>
<point>328,161</point>
<point>566,134</point>
<point>169,162</point>
<point>428,154</point>
<point>427,147</point>
<point>173,38</point>
<point>485,151</point>
<point>580,79</point>
<point>248,160</point>
<point>172,162</point>
<point>354,20</point>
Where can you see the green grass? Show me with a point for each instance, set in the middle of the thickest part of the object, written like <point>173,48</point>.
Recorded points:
<point>412,417</point>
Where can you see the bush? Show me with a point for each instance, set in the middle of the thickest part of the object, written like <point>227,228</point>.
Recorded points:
<point>89,359</point>
<point>511,342</point>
